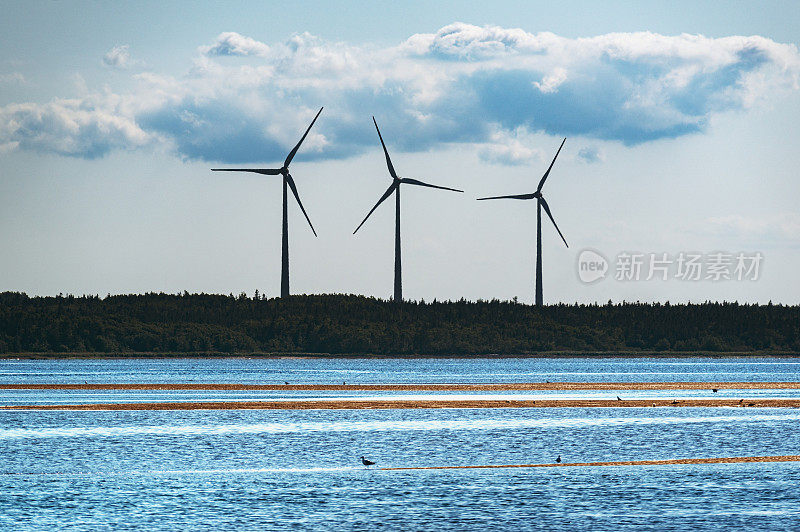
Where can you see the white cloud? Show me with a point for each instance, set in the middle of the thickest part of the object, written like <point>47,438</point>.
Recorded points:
<point>509,149</point>
<point>71,127</point>
<point>466,41</point>
<point>551,82</point>
<point>232,43</point>
<point>118,57</point>
<point>462,84</point>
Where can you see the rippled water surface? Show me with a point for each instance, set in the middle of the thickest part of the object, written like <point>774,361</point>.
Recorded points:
<point>335,371</point>
<point>78,397</point>
<point>300,469</point>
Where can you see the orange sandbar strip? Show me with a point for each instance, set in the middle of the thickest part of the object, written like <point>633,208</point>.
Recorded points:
<point>677,461</point>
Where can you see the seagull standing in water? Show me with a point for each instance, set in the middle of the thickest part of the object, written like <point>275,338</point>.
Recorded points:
<point>367,462</point>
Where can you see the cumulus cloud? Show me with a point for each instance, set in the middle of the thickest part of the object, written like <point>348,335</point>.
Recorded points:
<point>462,84</point>
<point>118,57</point>
<point>232,43</point>
<point>591,155</point>
<point>78,128</point>
<point>506,149</point>
<point>550,82</point>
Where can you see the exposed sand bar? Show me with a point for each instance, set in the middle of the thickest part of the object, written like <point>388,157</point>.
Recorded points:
<point>677,461</point>
<point>361,404</point>
<point>416,387</point>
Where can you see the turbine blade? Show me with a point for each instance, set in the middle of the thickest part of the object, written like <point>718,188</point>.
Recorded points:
<point>547,210</point>
<point>516,196</point>
<point>547,173</point>
<point>420,183</point>
<point>265,171</point>
<point>386,152</point>
<point>386,194</point>
<point>297,197</point>
<point>294,150</point>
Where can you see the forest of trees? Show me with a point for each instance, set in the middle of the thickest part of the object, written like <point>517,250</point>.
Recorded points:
<point>202,324</point>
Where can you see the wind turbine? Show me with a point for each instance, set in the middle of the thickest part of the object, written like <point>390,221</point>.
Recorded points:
<point>287,181</point>
<point>395,188</point>
<point>540,203</point>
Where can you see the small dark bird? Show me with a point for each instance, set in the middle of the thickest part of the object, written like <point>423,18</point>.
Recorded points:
<point>558,460</point>
<point>85,382</point>
<point>343,383</point>
<point>618,399</point>
<point>674,401</point>
<point>286,382</point>
<point>367,462</point>
<point>740,401</point>
<point>714,390</point>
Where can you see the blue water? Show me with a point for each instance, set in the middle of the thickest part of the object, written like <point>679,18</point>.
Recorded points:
<point>77,397</point>
<point>300,470</point>
<point>336,371</point>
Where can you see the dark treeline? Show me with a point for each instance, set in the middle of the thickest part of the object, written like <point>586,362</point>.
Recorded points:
<point>345,324</point>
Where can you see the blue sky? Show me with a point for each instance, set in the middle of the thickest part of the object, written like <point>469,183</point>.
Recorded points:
<point>681,138</point>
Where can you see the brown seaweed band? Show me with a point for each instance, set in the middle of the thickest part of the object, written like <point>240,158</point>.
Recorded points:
<point>677,461</point>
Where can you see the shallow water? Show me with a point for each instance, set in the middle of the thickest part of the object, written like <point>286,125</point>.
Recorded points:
<point>279,469</point>
<point>353,371</point>
<point>77,397</point>
<point>300,469</point>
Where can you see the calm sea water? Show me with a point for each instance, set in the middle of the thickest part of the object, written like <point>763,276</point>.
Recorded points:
<point>334,371</point>
<point>285,470</point>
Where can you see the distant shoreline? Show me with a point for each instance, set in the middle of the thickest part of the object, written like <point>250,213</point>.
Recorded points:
<point>278,356</point>
<point>348,326</point>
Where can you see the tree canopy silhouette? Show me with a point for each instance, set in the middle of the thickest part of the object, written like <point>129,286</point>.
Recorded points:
<point>197,324</point>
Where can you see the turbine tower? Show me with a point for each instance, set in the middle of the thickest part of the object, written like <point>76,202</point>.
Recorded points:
<point>395,188</point>
<point>540,203</point>
<point>287,181</point>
